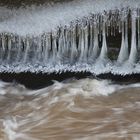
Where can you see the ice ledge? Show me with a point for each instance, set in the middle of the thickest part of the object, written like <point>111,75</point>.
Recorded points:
<point>36,20</point>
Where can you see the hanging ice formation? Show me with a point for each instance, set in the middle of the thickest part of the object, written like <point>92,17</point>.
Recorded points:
<point>77,47</point>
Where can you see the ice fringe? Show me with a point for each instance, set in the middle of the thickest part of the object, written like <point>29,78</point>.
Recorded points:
<point>75,46</point>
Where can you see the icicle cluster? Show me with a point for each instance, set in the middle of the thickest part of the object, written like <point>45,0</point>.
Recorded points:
<point>80,47</point>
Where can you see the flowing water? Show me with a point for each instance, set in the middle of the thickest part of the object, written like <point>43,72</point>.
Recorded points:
<point>85,109</point>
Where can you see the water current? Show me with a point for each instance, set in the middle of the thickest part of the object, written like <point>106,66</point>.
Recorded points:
<point>85,109</point>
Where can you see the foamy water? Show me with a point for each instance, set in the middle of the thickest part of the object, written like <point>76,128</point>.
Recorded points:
<point>83,109</point>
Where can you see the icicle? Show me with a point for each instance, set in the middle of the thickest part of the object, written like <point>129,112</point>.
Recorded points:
<point>73,45</point>
<point>103,53</point>
<point>138,18</point>
<point>9,48</point>
<point>120,23</point>
<point>19,49</point>
<point>63,41</point>
<point>138,15</point>
<point>95,50</point>
<point>2,47</point>
<point>27,47</point>
<point>91,39</point>
<point>3,42</point>
<point>54,50</point>
<point>86,33</point>
<point>0,41</point>
<point>126,39</point>
<point>68,41</point>
<point>47,48</point>
<point>60,44</point>
<point>133,52</point>
<point>100,32</point>
<point>38,52</point>
<point>82,44</point>
<point>43,46</point>
<point>123,55</point>
<point>40,48</point>
<point>79,38</point>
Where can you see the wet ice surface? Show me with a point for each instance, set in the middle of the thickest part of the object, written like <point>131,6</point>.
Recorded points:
<point>83,109</point>
<point>71,36</point>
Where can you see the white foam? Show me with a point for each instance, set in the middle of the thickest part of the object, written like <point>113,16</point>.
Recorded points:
<point>10,130</point>
<point>85,87</point>
<point>10,126</point>
<point>2,87</point>
<point>37,20</point>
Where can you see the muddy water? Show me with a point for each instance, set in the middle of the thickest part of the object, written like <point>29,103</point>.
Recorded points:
<point>86,109</point>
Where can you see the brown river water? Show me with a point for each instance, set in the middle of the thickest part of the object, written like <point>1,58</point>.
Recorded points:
<point>85,109</point>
